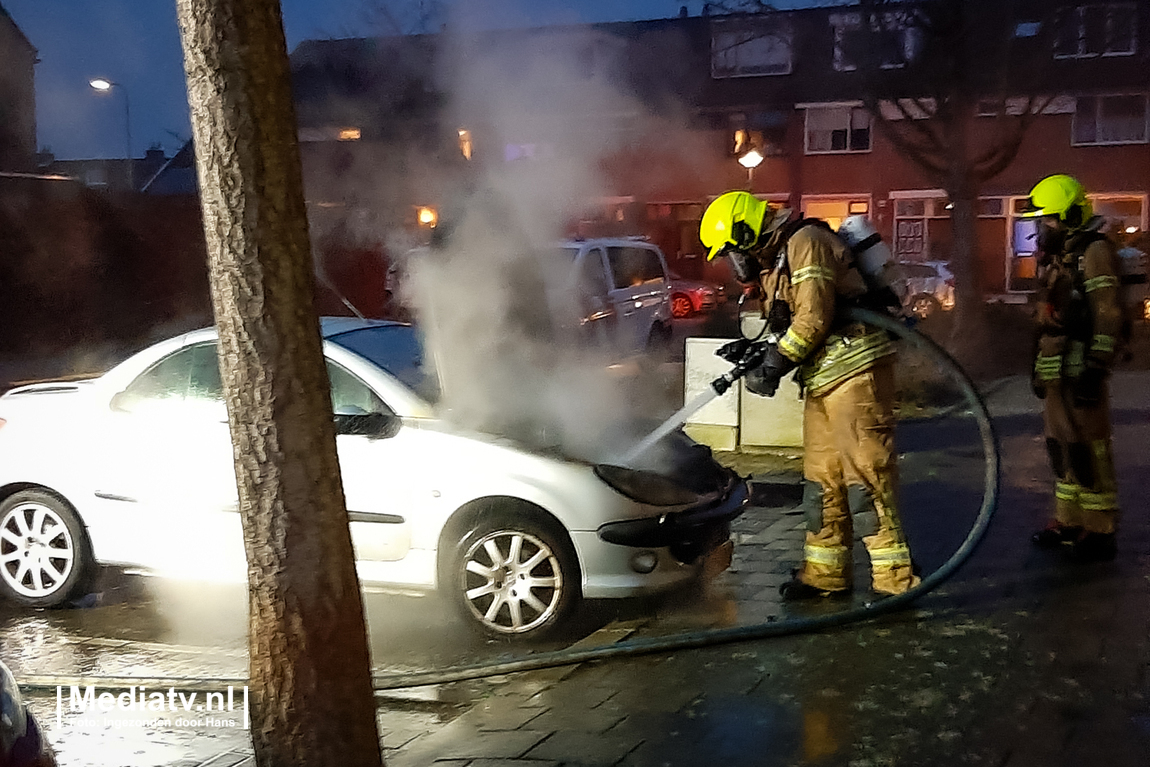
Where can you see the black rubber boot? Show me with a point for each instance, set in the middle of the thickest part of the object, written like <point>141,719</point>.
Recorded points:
<point>795,590</point>
<point>1054,535</point>
<point>1094,547</point>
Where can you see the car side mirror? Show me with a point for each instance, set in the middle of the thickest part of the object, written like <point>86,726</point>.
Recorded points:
<point>373,425</point>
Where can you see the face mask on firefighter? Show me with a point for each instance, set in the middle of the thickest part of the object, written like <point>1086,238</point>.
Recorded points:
<point>744,266</point>
<point>1050,238</point>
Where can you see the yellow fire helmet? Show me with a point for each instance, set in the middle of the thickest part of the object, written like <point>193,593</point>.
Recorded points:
<point>736,218</point>
<point>1060,195</point>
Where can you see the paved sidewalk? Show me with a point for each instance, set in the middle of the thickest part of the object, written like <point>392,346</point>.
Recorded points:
<point>1021,659</point>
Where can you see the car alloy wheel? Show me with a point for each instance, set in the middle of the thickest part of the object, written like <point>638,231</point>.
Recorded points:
<point>681,306</point>
<point>923,306</point>
<point>516,579</point>
<point>45,558</point>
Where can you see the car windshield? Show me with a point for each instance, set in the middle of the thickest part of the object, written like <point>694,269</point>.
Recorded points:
<point>397,349</point>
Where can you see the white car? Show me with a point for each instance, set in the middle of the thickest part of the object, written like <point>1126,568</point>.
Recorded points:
<point>135,469</point>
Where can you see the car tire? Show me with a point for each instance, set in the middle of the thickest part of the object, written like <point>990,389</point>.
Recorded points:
<point>923,306</point>
<point>45,556</point>
<point>515,576</point>
<point>681,306</point>
<point>659,341</point>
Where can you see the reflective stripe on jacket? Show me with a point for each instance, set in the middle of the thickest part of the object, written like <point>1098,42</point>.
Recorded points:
<point>1080,309</point>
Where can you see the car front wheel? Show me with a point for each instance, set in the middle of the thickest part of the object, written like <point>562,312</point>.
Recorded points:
<point>45,557</point>
<point>515,577</point>
<point>924,305</point>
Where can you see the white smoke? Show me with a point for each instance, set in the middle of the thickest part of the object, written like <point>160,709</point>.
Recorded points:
<point>490,297</point>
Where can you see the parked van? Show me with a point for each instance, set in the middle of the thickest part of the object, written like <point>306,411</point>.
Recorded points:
<point>622,293</point>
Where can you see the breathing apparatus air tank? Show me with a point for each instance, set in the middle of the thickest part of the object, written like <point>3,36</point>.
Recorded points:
<point>871,254</point>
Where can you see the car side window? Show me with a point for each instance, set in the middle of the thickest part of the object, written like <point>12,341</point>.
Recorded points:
<point>167,380</point>
<point>204,382</point>
<point>634,266</point>
<point>351,396</point>
<point>592,281</point>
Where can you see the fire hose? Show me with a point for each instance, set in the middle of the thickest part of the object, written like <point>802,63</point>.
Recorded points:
<point>706,637</point>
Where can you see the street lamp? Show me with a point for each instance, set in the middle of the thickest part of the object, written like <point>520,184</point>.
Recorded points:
<point>750,160</point>
<point>104,85</point>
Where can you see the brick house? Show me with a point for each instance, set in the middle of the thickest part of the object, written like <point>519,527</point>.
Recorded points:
<point>383,139</point>
<point>17,97</point>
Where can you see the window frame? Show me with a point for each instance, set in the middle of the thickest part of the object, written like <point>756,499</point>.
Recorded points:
<point>779,30</point>
<point>1098,100</point>
<point>1080,13</point>
<point>881,22</point>
<point>851,108</point>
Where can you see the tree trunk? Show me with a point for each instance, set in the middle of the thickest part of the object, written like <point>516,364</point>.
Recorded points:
<point>964,264</point>
<point>312,700</point>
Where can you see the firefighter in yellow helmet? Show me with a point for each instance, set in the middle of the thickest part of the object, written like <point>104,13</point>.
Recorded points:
<point>804,273</point>
<point>1080,321</point>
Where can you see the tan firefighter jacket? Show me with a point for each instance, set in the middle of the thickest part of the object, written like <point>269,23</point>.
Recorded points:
<point>1080,311</point>
<point>814,276</point>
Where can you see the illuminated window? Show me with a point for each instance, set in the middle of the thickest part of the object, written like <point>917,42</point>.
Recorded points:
<point>858,208</point>
<point>349,134</point>
<point>465,143</point>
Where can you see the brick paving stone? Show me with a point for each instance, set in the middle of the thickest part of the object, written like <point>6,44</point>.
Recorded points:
<point>570,718</point>
<point>462,740</point>
<point>524,762</point>
<point>587,749</point>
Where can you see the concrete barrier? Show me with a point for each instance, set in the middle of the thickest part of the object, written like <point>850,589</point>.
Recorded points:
<point>738,419</point>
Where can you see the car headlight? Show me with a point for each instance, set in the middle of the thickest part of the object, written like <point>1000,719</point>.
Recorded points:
<point>645,486</point>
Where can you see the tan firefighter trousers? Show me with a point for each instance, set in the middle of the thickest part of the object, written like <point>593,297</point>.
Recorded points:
<point>852,482</point>
<point>1078,441</point>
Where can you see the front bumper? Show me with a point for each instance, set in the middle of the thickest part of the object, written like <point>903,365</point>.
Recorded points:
<point>687,534</point>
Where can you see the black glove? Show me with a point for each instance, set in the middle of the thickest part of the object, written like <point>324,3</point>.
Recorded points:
<point>1038,386</point>
<point>733,352</point>
<point>1088,386</point>
<point>764,379</point>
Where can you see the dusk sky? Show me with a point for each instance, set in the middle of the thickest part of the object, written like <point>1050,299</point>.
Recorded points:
<point>136,43</point>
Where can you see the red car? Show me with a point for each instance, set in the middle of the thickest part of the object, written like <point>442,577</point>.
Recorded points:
<point>691,297</point>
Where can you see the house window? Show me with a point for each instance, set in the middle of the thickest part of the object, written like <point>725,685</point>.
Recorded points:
<point>97,176</point>
<point>750,48</point>
<point>891,41</point>
<point>1106,29</point>
<point>833,211</point>
<point>1027,28</point>
<point>837,129</point>
<point>1110,120</point>
<point>465,146</point>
